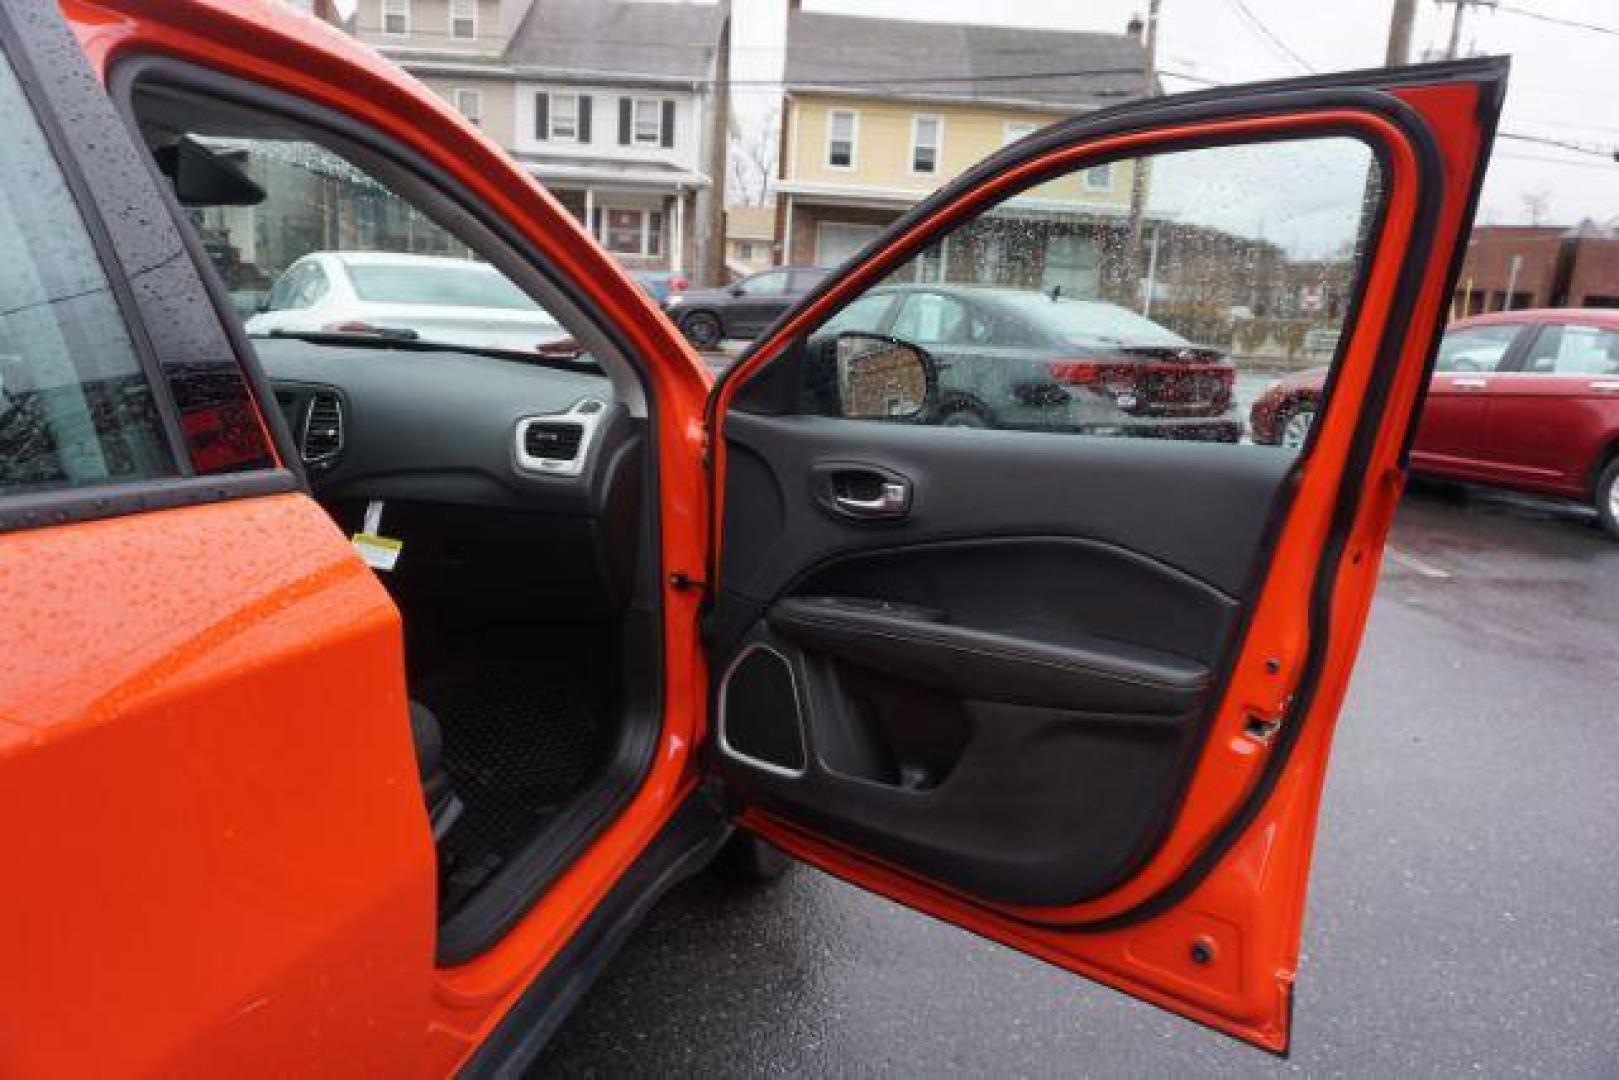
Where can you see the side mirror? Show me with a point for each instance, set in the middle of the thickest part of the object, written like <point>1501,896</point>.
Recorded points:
<point>737,290</point>
<point>882,378</point>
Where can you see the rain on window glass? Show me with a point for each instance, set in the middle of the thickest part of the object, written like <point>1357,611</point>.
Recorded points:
<point>1146,298</point>
<point>329,248</point>
<point>75,407</point>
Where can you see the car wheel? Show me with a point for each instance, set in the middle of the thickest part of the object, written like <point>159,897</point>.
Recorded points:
<point>703,329</point>
<point>747,860</point>
<point>1607,498</point>
<point>1294,430</point>
<point>964,416</point>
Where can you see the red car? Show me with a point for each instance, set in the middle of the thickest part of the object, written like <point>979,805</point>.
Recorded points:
<point>359,692</point>
<point>1520,399</point>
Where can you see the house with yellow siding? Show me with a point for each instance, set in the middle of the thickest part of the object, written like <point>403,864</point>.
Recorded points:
<point>869,128</point>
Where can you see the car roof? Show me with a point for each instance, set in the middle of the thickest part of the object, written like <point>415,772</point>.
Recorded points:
<point>1601,316</point>
<point>991,293</point>
<point>394,258</point>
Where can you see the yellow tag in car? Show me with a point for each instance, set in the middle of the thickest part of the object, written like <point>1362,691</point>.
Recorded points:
<point>379,552</point>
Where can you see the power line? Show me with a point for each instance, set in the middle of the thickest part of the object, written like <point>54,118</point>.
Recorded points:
<point>1549,160</point>
<point>1556,21</point>
<point>1561,144</point>
<point>1254,23</point>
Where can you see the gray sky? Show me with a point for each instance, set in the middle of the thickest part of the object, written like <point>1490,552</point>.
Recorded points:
<point>1563,82</point>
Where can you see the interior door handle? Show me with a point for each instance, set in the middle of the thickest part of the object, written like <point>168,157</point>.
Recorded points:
<point>893,499</point>
<point>862,490</point>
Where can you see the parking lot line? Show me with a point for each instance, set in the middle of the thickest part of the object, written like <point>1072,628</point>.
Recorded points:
<point>1421,566</point>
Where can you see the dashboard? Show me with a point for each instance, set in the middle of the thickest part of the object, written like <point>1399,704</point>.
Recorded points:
<point>515,488</point>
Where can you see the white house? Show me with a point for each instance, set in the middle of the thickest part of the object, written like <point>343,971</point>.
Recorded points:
<point>607,102</point>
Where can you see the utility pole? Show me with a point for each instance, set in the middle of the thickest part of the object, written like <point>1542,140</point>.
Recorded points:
<point>1456,22</point>
<point>1400,20</point>
<point>711,211</point>
<point>1139,167</point>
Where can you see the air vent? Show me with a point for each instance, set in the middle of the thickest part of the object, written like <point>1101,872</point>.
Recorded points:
<point>323,429</point>
<point>559,443</point>
<point>553,440</point>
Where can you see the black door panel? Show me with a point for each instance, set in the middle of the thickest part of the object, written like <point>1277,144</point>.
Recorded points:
<point>1094,674</point>
<point>1204,517</point>
<point>1002,687</point>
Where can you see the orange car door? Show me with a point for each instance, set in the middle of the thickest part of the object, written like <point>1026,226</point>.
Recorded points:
<point>1067,676</point>
<point>217,853</point>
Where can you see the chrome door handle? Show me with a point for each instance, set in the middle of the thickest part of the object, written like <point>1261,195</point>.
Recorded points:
<point>1470,384</point>
<point>1610,385</point>
<point>893,499</point>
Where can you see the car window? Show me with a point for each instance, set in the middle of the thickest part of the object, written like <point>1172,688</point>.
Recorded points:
<point>287,292</point>
<point>431,283</point>
<point>773,284</point>
<point>1476,348</point>
<point>1160,304</point>
<point>303,200</point>
<point>865,315</point>
<point>75,406</point>
<point>932,319</point>
<point>805,280</point>
<point>1572,349</point>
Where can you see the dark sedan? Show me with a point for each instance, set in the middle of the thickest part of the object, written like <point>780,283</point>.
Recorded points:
<point>741,309</point>
<point>1019,358</point>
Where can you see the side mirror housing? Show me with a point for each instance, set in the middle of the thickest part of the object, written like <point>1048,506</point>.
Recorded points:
<point>737,290</point>
<point>882,378</point>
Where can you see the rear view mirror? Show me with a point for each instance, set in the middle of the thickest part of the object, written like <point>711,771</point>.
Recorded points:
<point>202,177</point>
<point>881,378</point>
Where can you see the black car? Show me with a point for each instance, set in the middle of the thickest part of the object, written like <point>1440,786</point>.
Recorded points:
<point>1025,359</point>
<point>743,308</point>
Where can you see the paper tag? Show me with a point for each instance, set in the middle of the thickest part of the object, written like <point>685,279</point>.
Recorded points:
<point>379,552</point>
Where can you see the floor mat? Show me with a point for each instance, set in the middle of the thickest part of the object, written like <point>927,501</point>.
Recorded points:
<point>522,733</point>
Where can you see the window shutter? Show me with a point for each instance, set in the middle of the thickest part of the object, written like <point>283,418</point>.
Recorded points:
<point>542,115</point>
<point>584,118</point>
<point>668,123</point>
<point>624,107</point>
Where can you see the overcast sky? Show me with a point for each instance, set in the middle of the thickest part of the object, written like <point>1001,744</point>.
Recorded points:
<point>1563,83</point>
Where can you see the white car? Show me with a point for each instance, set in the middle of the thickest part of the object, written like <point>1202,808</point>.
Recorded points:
<point>419,297</point>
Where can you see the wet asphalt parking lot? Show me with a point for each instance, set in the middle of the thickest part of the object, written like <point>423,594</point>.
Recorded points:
<point>1464,910</point>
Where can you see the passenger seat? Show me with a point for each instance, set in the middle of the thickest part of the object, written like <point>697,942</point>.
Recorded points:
<point>443,805</point>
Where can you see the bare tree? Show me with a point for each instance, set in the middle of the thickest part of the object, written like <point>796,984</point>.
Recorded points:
<point>752,157</point>
<point>1537,203</point>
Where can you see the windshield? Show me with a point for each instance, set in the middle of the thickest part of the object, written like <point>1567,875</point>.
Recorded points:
<point>449,286</point>
<point>1094,320</point>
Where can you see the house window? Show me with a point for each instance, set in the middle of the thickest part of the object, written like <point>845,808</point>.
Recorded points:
<point>1099,178</point>
<point>648,125</point>
<point>565,117</point>
<point>469,103</point>
<point>464,19</point>
<point>396,17</point>
<point>840,137</point>
<point>1015,130</point>
<point>925,143</point>
<point>629,231</point>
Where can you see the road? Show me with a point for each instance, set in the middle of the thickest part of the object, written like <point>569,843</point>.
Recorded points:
<point>1464,916</point>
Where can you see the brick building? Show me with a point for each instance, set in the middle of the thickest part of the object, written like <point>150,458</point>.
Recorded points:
<point>1522,266</point>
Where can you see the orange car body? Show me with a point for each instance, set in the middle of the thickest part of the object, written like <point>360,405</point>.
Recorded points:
<point>191,891</point>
